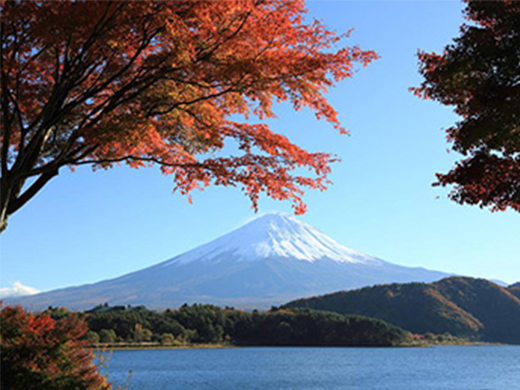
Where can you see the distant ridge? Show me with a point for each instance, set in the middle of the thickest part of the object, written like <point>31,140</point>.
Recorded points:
<point>461,306</point>
<point>270,260</point>
<point>515,289</point>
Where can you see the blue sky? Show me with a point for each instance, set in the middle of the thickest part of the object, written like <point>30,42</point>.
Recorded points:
<point>89,226</point>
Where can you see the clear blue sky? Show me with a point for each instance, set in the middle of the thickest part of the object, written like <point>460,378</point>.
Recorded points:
<point>85,226</point>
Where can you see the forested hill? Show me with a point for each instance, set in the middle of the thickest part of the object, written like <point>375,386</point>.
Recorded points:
<point>461,306</point>
<point>210,324</point>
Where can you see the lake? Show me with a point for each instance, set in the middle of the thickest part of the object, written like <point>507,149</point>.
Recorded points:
<point>437,368</point>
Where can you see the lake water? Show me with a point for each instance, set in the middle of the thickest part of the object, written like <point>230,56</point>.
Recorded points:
<point>438,368</point>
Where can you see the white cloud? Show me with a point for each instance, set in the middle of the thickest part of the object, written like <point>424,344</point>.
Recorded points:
<point>17,290</point>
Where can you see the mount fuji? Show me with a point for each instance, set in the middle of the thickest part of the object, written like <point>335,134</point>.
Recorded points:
<point>271,260</point>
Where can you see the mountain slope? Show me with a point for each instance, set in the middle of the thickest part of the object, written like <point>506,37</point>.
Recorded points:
<point>464,307</point>
<point>271,260</point>
<point>515,289</point>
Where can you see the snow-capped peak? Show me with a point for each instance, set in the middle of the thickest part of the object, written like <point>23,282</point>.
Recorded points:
<point>275,235</point>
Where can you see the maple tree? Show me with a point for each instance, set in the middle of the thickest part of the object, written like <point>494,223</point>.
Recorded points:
<point>155,82</point>
<point>40,353</point>
<point>479,74</point>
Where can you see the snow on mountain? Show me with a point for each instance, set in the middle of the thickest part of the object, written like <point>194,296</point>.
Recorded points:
<point>269,261</point>
<point>273,235</point>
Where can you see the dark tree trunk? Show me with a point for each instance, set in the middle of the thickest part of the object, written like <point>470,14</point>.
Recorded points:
<point>12,198</point>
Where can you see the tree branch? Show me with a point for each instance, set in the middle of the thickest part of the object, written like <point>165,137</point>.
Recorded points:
<point>19,201</point>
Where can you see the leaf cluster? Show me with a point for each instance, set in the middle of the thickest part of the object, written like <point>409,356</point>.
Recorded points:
<point>167,83</point>
<point>40,353</point>
<point>479,74</point>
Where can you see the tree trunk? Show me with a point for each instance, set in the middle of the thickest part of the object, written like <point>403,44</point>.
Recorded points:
<point>12,198</point>
<point>5,192</point>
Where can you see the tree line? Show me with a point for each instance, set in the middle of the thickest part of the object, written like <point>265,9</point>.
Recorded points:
<point>211,324</point>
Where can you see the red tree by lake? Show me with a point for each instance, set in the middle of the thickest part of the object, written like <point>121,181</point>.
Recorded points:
<point>40,353</point>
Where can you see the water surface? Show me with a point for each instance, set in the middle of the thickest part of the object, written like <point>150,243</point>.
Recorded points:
<point>438,368</point>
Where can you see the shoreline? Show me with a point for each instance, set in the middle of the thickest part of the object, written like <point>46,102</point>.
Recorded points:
<point>122,347</point>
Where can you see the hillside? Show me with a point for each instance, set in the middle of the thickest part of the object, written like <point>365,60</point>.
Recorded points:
<point>514,289</point>
<point>461,306</point>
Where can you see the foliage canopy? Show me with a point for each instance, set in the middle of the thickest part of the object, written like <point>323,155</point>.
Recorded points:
<point>479,74</point>
<point>156,82</point>
<point>40,353</point>
<point>209,324</point>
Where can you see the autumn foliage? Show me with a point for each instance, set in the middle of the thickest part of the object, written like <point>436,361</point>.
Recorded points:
<point>40,353</point>
<point>479,74</point>
<point>167,83</point>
